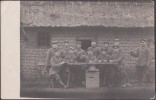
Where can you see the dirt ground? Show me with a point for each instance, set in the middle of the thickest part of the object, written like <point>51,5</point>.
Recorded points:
<point>131,92</point>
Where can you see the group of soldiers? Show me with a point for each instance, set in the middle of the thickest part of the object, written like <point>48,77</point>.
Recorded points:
<point>62,75</point>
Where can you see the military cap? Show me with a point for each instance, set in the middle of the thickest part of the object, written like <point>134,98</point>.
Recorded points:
<point>78,42</point>
<point>143,40</point>
<point>116,39</point>
<point>71,48</point>
<point>54,42</point>
<point>66,41</point>
<point>106,43</point>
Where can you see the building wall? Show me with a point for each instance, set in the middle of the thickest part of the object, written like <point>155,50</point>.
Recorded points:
<point>31,54</point>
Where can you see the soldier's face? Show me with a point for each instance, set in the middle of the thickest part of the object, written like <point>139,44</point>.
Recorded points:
<point>106,45</point>
<point>93,43</point>
<point>71,51</point>
<point>90,52</point>
<point>66,44</point>
<point>143,43</point>
<point>116,49</point>
<point>103,52</point>
<point>78,45</point>
<point>54,45</point>
<point>57,54</point>
<point>117,44</point>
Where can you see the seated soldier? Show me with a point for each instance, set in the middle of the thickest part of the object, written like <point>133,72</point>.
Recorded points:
<point>94,48</point>
<point>54,77</point>
<point>70,57</point>
<point>90,57</point>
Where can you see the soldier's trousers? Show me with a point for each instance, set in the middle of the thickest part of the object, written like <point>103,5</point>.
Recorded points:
<point>123,75</point>
<point>143,72</point>
<point>108,75</point>
<point>54,80</point>
<point>64,74</point>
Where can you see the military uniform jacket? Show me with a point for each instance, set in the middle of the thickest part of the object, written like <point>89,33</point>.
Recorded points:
<point>91,59</point>
<point>108,50</point>
<point>70,57</point>
<point>64,51</point>
<point>96,50</point>
<point>143,56</point>
<point>55,65</point>
<point>104,57</point>
<point>50,54</point>
<point>118,57</point>
<point>80,55</point>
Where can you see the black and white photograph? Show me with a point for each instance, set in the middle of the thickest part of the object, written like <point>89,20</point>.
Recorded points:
<point>87,49</point>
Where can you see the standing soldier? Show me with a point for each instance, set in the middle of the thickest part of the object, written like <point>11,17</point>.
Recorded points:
<point>107,48</point>
<point>56,64</point>
<point>70,56</point>
<point>50,54</point>
<point>152,57</point>
<point>79,53</point>
<point>117,58</point>
<point>65,48</point>
<point>105,71</point>
<point>142,65</point>
<point>95,49</point>
<point>80,58</point>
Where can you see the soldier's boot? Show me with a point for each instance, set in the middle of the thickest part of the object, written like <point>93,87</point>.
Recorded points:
<point>64,86</point>
<point>51,83</point>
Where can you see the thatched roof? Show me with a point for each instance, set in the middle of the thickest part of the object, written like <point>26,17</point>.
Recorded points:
<point>71,14</point>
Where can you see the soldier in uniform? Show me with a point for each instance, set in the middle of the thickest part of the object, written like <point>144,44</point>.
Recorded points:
<point>90,57</point>
<point>117,57</point>
<point>107,48</point>
<point>50,54</point>
<point>105,71</point>
<point>65,70</point>
<point>80,58</point>
<point>70,57</point>
<point>65,48</point>
<point>79,53</point>
<point>142,54</point>
<point>103,58</point>
<point>95,49</point>
<point>56,64</point>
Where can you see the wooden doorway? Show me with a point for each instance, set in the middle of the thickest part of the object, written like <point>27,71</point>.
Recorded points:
<point>85,43</point>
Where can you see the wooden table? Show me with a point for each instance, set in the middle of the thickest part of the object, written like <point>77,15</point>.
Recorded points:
<point>89,64</point>
<point>91,73</point>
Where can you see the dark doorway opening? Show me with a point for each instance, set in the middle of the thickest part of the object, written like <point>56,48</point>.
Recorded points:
<point>85,43</point>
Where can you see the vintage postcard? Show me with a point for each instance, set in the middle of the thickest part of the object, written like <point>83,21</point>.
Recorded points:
<point>101,49</point>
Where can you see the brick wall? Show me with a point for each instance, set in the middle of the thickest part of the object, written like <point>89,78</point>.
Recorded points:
<point>31,54</point>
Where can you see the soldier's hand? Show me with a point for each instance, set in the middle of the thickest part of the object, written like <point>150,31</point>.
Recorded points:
<point>111,61</point>
<point>100,60</point>
<point>90,61</point>
<point>104,60</point>
<point>62,62</point>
